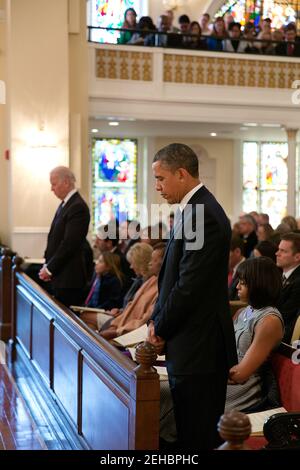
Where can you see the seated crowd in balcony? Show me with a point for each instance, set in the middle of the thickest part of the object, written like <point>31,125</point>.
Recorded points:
<point>223,34</point>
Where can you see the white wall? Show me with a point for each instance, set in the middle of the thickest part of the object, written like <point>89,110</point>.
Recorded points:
<point>4,164</point>
<point>39,99</point>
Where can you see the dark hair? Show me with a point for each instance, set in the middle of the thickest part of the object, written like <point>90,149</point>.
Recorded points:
<point>233,24</point>
<point>295,239</point>
<point>183,19</point>
<point>176,156</point>
<point>263,280</point>
<point>237,242</point>
<point>129,9</point>
<point>267,248</point>
<point>268,229</point>
<point>146,22</point>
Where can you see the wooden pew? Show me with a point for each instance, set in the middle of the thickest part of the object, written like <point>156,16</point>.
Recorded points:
<point>108,402</point>
<point>5,295</point>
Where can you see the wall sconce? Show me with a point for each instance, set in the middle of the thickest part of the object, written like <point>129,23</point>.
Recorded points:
<point>174,4</point>
<point>41,140</point>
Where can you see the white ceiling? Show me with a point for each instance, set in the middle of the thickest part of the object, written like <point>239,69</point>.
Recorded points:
<point>139,128</point>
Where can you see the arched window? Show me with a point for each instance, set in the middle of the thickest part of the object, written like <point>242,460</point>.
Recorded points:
<point>265,179</point>
<point>114,190</point>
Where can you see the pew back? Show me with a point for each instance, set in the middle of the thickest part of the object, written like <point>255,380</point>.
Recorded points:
<point>287,373</point>
<point>107,401</point>
<point>5,296</point>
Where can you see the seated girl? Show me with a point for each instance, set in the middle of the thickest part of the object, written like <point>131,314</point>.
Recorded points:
<point>107,287</point>
<point>258,330</point>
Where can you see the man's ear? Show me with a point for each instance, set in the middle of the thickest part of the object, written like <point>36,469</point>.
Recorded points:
<point>182,173</point>
<point>297,257</point>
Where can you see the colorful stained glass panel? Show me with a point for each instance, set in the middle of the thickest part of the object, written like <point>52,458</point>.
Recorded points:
<point>250,165</point>
<point>281,12</point>
<point>273,166</point>
<point>249,200</point>
<point>274,203</point>
<point>109,14</point>
<point>114,180</point>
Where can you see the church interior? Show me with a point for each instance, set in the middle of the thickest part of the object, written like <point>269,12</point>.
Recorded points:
<point>88,100</point>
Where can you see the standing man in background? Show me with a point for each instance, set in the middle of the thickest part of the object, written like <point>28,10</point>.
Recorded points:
<point>191,318</point>
<point>65,265</point>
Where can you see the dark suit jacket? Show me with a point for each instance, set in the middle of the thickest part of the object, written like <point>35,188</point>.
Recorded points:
<point>289,304</point>
<point>192,311</point>
<point>64,254</point>
<point>249,243</point>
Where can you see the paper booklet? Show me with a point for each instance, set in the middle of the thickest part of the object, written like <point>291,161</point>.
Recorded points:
<point>133,337</point>
<point>257,420</point>
<point>78,308</point>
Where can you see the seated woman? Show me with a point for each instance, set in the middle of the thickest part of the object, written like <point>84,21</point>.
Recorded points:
<point>258,330</point>
<point>107,287</point>
<point>139,310</point>
<point>139,257</point>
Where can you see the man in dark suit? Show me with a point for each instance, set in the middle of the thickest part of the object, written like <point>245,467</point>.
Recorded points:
<point>191,319</point>
<point>235,259</point>
<point>65,265</point>
<point>288,259</point>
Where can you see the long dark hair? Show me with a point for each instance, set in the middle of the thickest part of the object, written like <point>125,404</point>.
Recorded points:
<point>263,280</point>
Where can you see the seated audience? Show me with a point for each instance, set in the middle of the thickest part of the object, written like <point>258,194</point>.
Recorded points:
<point>139,257</point>
<point>108,240</point>
<point>291,222</point>
<point>234,44</point>
<point>267,249</point>
<point>258,329</point>
<point>264,232</point>
<point>204,24</point>
<point>170,15</point>
<point>290,47</point>
<point>236,257</point>
<point>129,232</point>
<point>264,44</point>
<point>248,233</point>
<point>129,24</point>
<point>288,259</point>
<point>145,25</point>
<point>195,41</point>
<point>249,34</point>
<point>139,310</point>
<point>184,24</point>
<point>218,34</point>
<point>228,19</point>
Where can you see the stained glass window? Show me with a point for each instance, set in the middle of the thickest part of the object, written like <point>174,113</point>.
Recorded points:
<point>281,12</point>
<point>265,179</point>
<point>110,14</point>
<point>114,180</point>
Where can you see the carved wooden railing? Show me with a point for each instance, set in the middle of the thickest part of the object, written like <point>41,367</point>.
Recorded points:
<point>5,295</point>
<point>108,401</point>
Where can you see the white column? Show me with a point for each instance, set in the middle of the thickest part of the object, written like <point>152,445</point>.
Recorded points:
<point>291,196</point>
